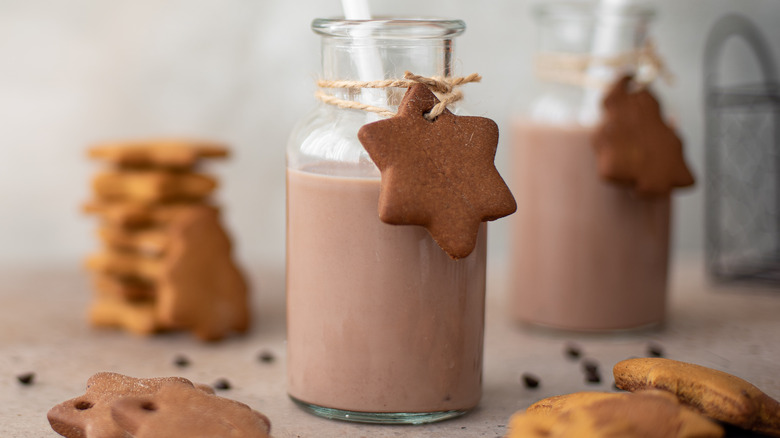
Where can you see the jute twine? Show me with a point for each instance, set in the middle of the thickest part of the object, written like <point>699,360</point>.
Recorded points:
<point>572,69</point>
<point>443,87</point>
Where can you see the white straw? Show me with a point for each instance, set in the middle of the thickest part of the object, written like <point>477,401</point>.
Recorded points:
<point>369,63</point>
<point>356,9</point>
<point>606,43</point>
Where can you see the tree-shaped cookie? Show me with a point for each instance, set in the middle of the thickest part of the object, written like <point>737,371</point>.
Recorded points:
<point>635,146</point>
<point>437,173</point>
<point>200,288</point>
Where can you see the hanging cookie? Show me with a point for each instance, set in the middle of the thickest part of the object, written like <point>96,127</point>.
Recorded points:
<point>635,146</point>
<point>439,174</point>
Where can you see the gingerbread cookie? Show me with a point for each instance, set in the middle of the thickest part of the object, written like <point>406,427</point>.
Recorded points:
<point>136,317</point>
<point>89,416</point>
<point>150,186</point>
<point>127,288</point>
<point>181,410</point>
<point>171,153</point>
<point>134,214</point>
<point>553,406</point>
<point>716,394</point>
<point>201,288</point>
<point>150,241</point>
<point>635,146</point>
<point>126,264</point>
<point>646,414</point>
<point>439,174</point>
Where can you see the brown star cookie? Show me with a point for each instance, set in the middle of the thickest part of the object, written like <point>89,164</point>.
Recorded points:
<point>181,410</point>
<point>647,414</point>
<point>89,416</point>
<point>716,394</point>
<point>170,153</point>
<point>199,287</point>
<point>439,174</point>
<point>635,146</point>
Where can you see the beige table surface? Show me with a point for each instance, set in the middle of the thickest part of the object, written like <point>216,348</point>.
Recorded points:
<point>43,330</point>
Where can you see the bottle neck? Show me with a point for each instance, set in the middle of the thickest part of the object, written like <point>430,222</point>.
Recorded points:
<point>374,59</point>
<point>601,40</point>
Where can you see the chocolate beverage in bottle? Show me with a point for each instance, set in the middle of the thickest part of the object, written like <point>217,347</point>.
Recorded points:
<point>364,334</point>
<point>382,325</point>
<point>587,254</point>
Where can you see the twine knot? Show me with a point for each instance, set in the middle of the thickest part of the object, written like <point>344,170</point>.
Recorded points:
<point>572,69</point>
<point>444,88</point>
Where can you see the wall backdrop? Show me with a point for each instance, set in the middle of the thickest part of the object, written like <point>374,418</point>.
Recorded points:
<point>241,71</point>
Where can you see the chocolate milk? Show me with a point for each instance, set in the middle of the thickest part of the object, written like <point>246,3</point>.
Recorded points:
<point>379,318</point>
<point>586,254</point>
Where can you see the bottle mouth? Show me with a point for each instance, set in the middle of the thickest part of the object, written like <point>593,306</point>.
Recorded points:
<point>389,28</point>
<point>593,10</point>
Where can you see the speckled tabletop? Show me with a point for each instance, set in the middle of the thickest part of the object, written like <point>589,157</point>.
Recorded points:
<point>43,330</point>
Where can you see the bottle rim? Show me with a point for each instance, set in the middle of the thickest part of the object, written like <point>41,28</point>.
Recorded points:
<point>590,10</point>
<point>389,28</point>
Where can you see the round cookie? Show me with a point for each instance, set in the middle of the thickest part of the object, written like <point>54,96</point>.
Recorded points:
<point>647,414</point>
<point>716,394</point>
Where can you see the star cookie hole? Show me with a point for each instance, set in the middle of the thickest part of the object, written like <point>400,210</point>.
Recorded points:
<point>426,116</point>
<point>148,406</point>
<point>82,405</point>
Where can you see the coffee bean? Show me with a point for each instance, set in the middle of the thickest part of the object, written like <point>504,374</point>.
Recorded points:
<point>26,378</point>
<point>222,384</point>
<point>573,350</point>
<point>266,357</point>
<point>181,361</point>
<point>590,366</point>
<point>530,381</point>
<point>655,350</point>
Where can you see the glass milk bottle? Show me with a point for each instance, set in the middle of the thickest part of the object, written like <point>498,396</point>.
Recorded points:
<point>586,254</point>
<point>382,326</point>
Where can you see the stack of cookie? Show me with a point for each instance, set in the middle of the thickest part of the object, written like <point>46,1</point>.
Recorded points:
<point>165,262</point>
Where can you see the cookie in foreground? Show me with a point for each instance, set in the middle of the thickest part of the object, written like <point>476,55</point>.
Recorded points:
<point>646,414</point>
<point>716,394</point>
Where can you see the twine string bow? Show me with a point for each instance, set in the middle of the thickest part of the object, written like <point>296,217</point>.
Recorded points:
<point>444,88</point>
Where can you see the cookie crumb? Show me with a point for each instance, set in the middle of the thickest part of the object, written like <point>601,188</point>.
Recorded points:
<point>530,381</point>
<point>573,351</point>
<point>26,378</point>
<point>655,350</point>
<point>266,357</point>
<point>222,384</point>
<point>181,361</point>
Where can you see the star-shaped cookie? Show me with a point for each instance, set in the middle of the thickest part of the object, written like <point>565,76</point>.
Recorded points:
<point>635,146</point>
<point>182,410</point>
<point>89,416</point>
<point>439,174</point>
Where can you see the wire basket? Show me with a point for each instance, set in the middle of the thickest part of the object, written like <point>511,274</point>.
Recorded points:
<point>742,184</point>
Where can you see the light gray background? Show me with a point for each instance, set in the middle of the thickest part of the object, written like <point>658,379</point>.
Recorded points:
<point>79,71</point>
